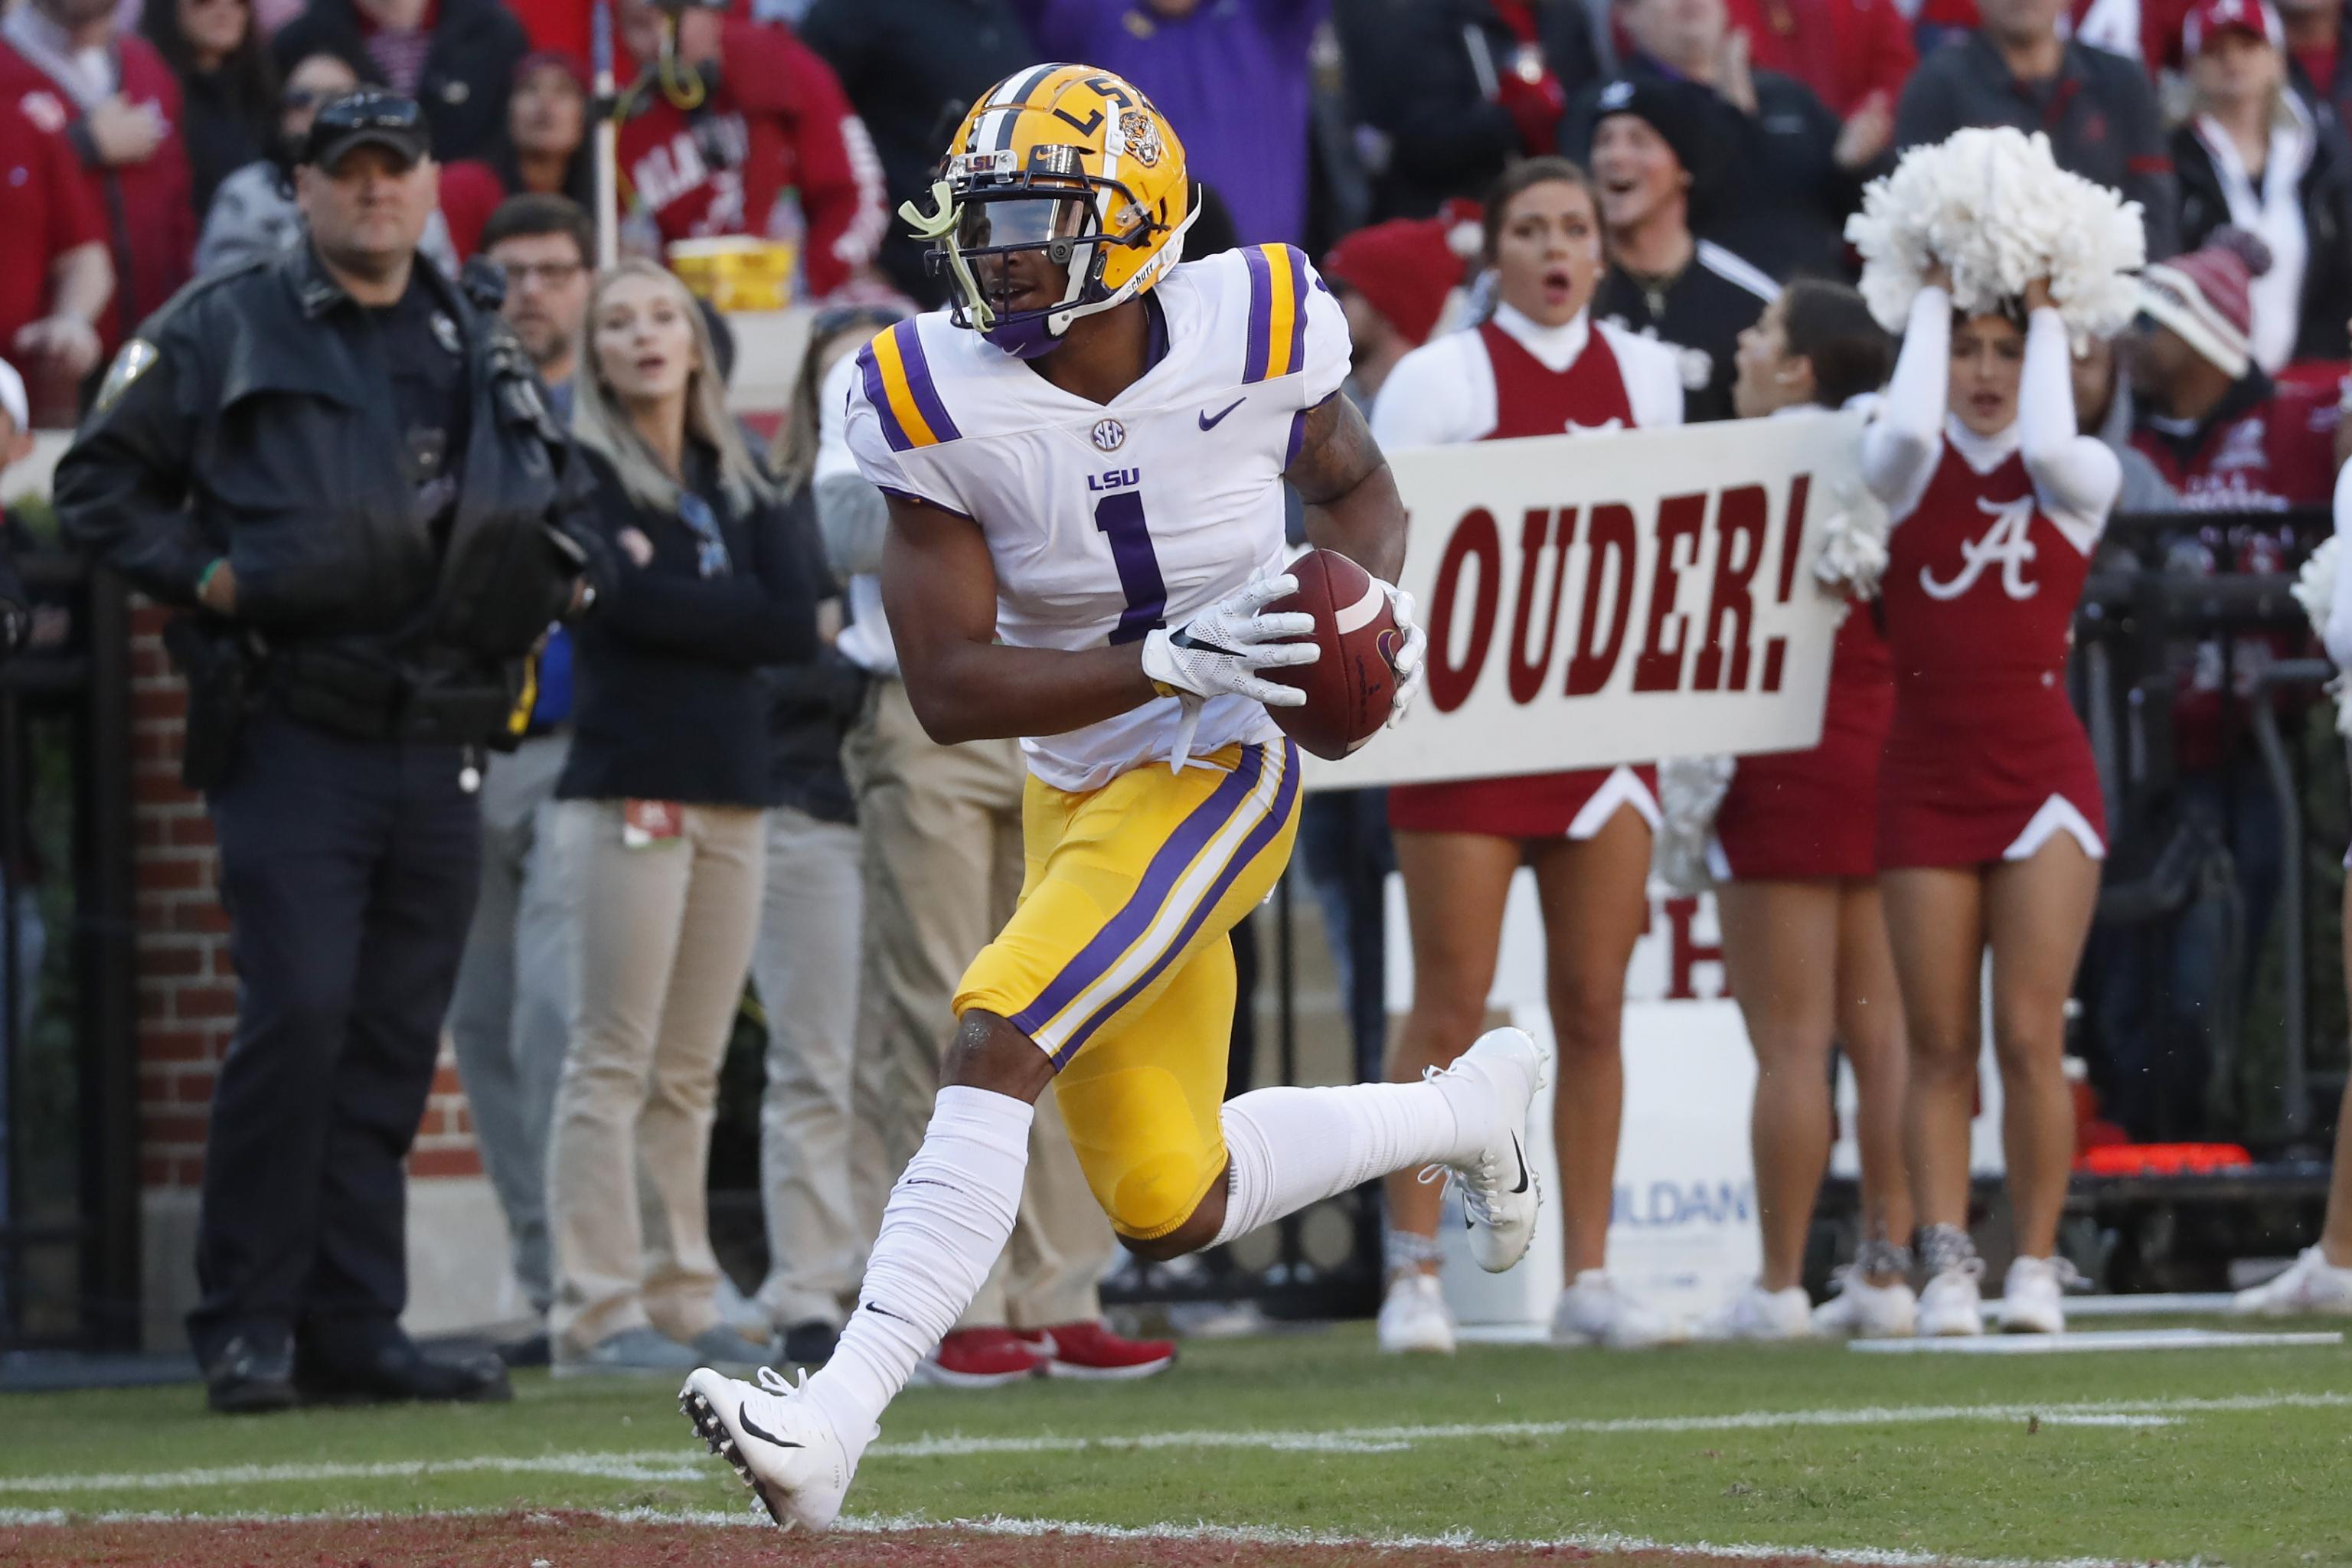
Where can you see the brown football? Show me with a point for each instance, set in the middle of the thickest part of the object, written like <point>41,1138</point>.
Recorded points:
<point>1350,689</point>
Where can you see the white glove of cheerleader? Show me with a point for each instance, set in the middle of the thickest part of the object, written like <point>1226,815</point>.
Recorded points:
<point>1220,651</point>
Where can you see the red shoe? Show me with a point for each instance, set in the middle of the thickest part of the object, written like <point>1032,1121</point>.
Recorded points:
<point>979,1358</point>
<point>1092,1351</point>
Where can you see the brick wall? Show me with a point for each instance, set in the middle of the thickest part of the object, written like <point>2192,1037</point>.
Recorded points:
<point>187,988</point>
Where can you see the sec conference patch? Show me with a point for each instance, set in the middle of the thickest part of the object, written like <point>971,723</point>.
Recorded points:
<point>135,359</point>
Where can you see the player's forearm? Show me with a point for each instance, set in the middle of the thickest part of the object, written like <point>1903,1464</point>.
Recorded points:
<point>1367,525</point>
<point>986,691</point>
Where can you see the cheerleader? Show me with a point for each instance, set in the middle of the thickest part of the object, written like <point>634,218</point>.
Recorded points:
<point>1989,826</point>
<point>1540,367</point>
<point>1794,860</point>
<point>2320,1281</point>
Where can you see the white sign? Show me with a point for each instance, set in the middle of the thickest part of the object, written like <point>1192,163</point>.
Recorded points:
<point>1593,600</point>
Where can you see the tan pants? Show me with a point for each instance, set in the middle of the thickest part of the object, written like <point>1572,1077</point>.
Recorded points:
<point>664,938</point>
<point>943,865</point>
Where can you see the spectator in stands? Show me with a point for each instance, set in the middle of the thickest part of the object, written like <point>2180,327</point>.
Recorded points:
<point>55,272</point>
<point>2252,156</point>
<point>1651,163</point>
<point>1795,861</point>
<point>729,123</point>
<point>2103,404</point>
<point>660,825</point>
<point>2097,108</point>
<point>1544,362</point>
<point>544,150</point>
<point>1447,92</point>
<point>507,1020</point>
<point>943,867</point>
<point>456,57</point>
<point>253,214</point>
<point>63,63</point>
<point>1783,168</point>
<point>228,89</point>
<point>1399,282</point>
<point>2317,68</point>
<point>1855,54</point>
<point>2223,435</point>
<point>912,68</point>
<point>806,961</point>
<point>1236,78</point>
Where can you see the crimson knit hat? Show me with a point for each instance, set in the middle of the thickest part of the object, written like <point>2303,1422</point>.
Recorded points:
<point>2204,296</point>
<point>1406,268</point>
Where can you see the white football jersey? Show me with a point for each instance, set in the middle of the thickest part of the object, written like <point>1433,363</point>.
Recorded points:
<point>1106,520</point>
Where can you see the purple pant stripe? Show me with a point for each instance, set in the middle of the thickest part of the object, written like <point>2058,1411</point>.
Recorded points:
<point>1136,915</point>
<point>1252,848</point>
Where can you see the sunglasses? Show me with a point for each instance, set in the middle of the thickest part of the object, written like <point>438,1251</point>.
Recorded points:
<point>710,549</point>
<point>369,112</point>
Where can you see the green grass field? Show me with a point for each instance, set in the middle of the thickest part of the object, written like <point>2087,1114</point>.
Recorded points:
<point>2242,1456</point>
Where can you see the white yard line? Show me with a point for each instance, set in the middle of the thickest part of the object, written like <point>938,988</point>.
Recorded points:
<point>1461,1541</point>
<point>683,1461</point>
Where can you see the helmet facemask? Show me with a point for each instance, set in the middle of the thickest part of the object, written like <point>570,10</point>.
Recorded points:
<point>985,215</point>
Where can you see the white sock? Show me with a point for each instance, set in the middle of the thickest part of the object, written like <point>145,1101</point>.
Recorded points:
<point>1292,1147</point>
<point>948,1219</point>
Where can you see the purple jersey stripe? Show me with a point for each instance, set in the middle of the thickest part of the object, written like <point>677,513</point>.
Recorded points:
<point>1296,361</point>
<point>1123,927</point>
<point>1252,848</point>
<point>871,373</point>
<point>919,382</point>
<point>1261,317</point>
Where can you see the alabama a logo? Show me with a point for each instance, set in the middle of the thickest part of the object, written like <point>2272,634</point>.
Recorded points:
<point>2010,542</point>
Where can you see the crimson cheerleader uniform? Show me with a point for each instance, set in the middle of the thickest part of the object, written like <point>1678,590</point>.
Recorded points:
<point>1798,815</point>
<point>1985,760</point>
<point>1511,377</point>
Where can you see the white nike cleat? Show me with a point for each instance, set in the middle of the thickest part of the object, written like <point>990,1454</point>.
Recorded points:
<point>2032,1296</point>
<point>1594,1311</point>
<point>2311,1284</point>
<point>1414,1315</point>
<point>778,1440</point>
<point>1758,1314</point>
<point>1868,1311</point>
<point>1500,1196</point>
<point>1952,1306</point>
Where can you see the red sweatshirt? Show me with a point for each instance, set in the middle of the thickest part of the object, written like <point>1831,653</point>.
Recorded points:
<point>151,225</point>
<point>778,121</point>
<point>1845,50</point>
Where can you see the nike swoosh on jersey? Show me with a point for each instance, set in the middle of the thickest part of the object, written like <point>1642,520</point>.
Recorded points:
<point>1210,421</point>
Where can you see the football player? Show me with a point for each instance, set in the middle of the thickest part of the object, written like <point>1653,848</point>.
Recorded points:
<point>1084,457</point>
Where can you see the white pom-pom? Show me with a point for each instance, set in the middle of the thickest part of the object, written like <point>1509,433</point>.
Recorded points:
<point>2314,590</point>
<point>2314,586</point>
<point>1853,540</point>
<point>1994,208</point>
<point>1690,789</point>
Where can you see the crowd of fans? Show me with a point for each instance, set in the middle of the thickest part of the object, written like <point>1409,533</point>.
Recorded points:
<point>1725,143</point>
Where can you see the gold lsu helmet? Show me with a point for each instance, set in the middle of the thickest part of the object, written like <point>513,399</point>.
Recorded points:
<point>1066,160</point>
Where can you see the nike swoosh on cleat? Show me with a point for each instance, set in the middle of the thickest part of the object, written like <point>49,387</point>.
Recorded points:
<point>1522,1165</point>
<point>751,1429</point>
<point>1210,421</point>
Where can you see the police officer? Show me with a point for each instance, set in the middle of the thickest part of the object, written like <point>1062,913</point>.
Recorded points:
<point>340,463</point>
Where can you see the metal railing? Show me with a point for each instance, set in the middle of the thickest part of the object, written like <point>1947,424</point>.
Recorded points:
<point>69,1249</point>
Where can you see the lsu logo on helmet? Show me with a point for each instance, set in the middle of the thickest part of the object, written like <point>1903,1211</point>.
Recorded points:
<point>1067,162</point>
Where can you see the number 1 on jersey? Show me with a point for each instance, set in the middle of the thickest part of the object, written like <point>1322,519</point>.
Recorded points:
<point>1120,515</point>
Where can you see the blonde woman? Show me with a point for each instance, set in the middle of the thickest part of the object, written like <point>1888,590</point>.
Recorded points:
<point>661,822</point>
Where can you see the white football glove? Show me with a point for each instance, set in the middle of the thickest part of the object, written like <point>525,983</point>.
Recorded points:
<point>1220,651</point>
<point>1409,659</point>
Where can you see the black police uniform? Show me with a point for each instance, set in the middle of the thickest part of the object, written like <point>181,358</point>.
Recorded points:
<point>383,483</point>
